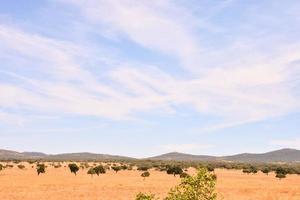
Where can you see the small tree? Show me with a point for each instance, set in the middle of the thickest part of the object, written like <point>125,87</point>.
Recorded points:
<point>280,173</point>
<point>174,170</point>
<point>73,168</point>
<point>91,171</point>
<point>40,169</point>
<point>141,196</point>
<point>265,170</point>
<point>99,170</point>
<point>199,187</point>
<point>21,166</point>
<point>145,174</point>
<point>116,168</point>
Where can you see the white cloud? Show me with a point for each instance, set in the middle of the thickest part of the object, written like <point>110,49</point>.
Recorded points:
<point>240,83</point>
<point>157,25</point>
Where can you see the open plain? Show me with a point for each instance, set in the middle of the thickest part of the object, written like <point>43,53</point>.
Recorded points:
<point>59,183</point>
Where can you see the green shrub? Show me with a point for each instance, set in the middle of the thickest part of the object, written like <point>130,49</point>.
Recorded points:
<point>198,187</point>
<point>174,170</point>
<point>99,170</point>
<point>40,169</point>
<point>266,170</point>
<point>91,171</point>
<point>145,174</point>
<point>116,168</point>
<point>21,166</point>
<point>73,168</point>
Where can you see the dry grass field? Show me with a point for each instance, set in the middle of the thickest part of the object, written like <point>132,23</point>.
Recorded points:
<point>17,184</point>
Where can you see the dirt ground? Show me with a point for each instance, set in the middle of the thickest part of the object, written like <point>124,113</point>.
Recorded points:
<point>17,184</point>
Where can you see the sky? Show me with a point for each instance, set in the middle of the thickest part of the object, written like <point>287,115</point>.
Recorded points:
<point>141,78</point>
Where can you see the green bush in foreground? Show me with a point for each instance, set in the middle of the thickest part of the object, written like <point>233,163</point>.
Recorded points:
<point>198,187</point>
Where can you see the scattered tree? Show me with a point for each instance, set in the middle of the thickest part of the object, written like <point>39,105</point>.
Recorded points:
<point>91,171</point>
<point>116,168</point>
<point>280,173</point>
<point>174,170</point>
<point>73,168</point>
<point>145,174</point>
<point>21,166</point>
<point>266,170</point>
<point>99,170</point>
<point>40,169</point>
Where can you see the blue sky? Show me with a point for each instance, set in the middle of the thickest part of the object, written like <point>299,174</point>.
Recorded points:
<point>140,78</point>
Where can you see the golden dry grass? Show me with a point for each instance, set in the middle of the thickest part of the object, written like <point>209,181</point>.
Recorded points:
<point>60,184</point>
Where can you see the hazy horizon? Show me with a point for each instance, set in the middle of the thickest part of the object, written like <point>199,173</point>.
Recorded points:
<point>142,78</point>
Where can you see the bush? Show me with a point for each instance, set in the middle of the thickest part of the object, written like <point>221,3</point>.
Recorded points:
<point>116,168</point>
<point>21,166</point>
<point>266,170</point>
<point>73,168</point>
<point>99,170</point>
<point>1,167</point>
<point>174,170</point>
<point>145,174</point>
<point>141,196</point>
<point>199,187</point>
<point>91,171</point>
<point>40,169</point>
<point>143,168</point>
<point>280,173</point>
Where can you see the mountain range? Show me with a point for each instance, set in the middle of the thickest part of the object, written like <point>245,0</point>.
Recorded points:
<point>282,155</point>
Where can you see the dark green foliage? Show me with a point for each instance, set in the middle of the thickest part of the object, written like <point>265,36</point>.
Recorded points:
<point>198,187</point>
<point>116,168</point>
<point>99,170</point>
<point>145,174</point>
<point>73,168</point>
<point>266,170</point>
<point>143,167</point>
<point>91,171</point>
<point>174,170</point>
<point>210,168</point>
<point>40,169</point>
<point>280,172</point>
<point>21,166</point>
<point>280,176</point>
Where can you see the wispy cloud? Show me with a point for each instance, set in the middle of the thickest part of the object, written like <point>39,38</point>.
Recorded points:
<point>246,80</point>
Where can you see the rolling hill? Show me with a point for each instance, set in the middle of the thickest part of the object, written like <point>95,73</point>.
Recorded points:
<point>282,155</point>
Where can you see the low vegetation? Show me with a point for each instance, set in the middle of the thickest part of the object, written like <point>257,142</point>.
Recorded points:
<point>198,187</point>
<point>73,168</point>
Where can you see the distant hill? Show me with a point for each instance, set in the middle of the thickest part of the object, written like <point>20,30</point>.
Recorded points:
<point>182,157</point>
<point>282,155</point>
<point>14,155</point>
